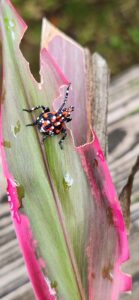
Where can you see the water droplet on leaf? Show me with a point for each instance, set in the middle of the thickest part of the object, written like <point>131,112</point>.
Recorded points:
<point>68,181</point>
<point>10,26</point>
<point>16,129</point>
<point>100,155</point>
<point>11,23</point>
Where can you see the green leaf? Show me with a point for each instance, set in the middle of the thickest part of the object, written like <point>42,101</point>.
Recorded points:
<point>26,159</point>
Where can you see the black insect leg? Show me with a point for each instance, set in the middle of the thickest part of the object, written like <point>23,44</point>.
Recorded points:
<point>66,97</point>
<point>47,109</point>
<point>63,138</point>
<point>68,120</point>
<point>44,138</point>
<point>44,109</point>
<point>33,124</point>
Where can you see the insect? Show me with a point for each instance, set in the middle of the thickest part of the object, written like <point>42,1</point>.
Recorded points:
<point>53,123</point>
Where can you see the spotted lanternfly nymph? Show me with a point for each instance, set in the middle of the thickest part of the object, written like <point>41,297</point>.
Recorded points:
<point>53,123</point>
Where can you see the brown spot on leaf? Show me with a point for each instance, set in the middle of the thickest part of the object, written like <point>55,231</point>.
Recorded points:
<point>54,284</point>
<point>3,95</point>
<point>6,144</point>
<point>21,193</point>
<point>93,275</point>
<point>109,214</point>
<point>17,127</point>
<point>95,162</point>
<point>107,272</point>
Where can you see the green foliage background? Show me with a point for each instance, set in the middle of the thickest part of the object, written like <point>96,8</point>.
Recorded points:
<point>110,27</point>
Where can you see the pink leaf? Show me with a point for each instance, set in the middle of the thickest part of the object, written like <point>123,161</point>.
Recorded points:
<point>107,241</point>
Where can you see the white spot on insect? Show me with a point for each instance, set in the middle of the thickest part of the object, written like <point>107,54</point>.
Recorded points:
<point>42,129</point>
<point>53,118</point>
<point>51,133</point>
<point>68,180</point>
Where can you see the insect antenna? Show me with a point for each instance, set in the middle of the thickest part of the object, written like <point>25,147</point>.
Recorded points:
<point>65,99</point>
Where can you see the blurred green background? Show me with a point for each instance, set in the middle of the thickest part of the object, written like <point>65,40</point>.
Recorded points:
<point>110,27</point>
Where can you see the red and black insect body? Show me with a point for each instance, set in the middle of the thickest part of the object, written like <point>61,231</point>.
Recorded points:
<point>53,123</point>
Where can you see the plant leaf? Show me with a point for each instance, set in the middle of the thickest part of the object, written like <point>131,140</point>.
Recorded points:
<point>105,257</point>
<point>22,91</point>
<point>67,195</point>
